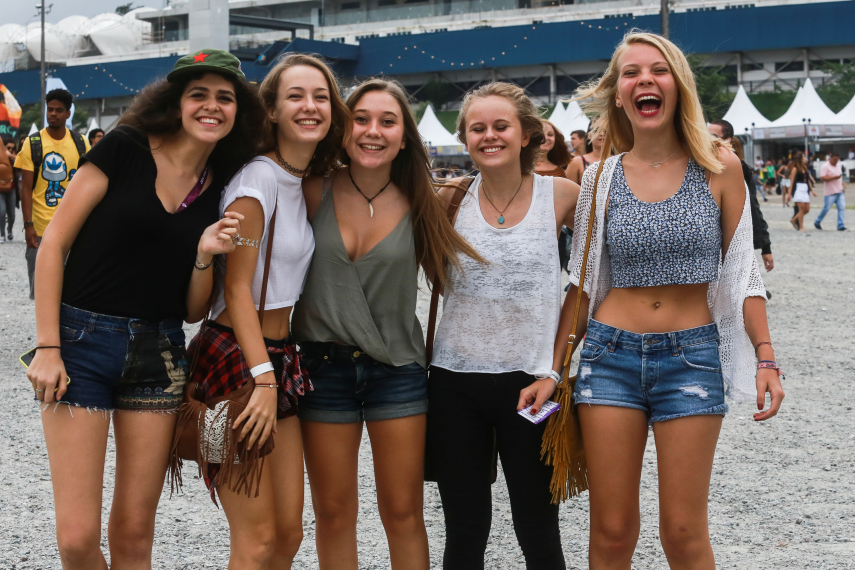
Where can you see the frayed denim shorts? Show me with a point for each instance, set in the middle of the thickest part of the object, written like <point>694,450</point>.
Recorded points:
<point>121,363</point>
<point>666,375</point>
<point>350,386</point>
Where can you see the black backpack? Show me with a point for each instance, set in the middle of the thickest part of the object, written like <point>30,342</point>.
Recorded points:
<point>38,152</point>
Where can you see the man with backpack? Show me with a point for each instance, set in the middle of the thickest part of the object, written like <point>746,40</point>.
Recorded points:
<point>48,161</point>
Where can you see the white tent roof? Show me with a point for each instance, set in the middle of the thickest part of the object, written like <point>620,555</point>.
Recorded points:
<point>743,114</point>
<point>557,115</point>
<point>93,124</point>
<point>432,131</point>
<point>574,119</point>
<point>807,105</point>
<point>846,116</point>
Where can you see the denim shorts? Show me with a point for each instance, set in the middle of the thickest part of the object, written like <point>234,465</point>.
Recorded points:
<point>666,375</point>
<point>121,363</point>
<point>351,387</point>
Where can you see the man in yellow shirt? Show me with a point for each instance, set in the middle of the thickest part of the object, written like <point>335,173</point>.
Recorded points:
<point>48,162</point>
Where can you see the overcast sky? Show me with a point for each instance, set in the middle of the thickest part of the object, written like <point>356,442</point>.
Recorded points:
<point>24,11</point>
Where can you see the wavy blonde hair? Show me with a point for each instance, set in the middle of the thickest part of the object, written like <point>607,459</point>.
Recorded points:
<point>597,98</point>
<point>527,114</point>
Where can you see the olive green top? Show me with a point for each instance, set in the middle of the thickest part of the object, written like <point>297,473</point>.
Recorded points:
<point>370,302</point>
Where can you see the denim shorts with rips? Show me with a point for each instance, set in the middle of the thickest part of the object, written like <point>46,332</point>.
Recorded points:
<point>667,375</point>
<point>118,363</point>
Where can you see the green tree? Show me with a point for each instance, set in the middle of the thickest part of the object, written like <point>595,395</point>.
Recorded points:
<point>837,93</point>
<point>123,9</point>
<point>712,87</point>
<point>438,93</point>
<point>29,115</point>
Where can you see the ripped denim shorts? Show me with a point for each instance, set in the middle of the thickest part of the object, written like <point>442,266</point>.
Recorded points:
<point>117,363</point>
<point>666,375</point>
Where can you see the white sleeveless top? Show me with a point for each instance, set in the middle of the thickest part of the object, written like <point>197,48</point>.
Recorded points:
<point>293,242</point>
<point>503,317</point>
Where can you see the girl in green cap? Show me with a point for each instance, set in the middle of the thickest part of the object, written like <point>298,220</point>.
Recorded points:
<point>142,226</point>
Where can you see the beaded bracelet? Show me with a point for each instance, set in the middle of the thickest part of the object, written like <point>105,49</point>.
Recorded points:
<point>773,365</point>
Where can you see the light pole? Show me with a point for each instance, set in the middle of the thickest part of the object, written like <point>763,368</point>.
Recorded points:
<point>42,11</point>
<point>664,13</point>
<point>807,128</point>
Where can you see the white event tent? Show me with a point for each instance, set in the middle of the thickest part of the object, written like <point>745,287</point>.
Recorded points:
<point>743,114</point>
<point>807,105</point>
<point>574,119</point>
<point>846,116</point>
<point>435,135</point>
<point>557,115</point>
<point>432,131</point>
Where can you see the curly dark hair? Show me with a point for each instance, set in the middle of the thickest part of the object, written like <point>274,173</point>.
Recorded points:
<point>156,111</point>
<point>61,95</point>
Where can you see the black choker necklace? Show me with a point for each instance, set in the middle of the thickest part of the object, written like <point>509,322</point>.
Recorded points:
<point>293,170</point>
<point>370,207</point>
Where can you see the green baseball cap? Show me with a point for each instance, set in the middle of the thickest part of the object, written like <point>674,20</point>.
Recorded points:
<point>213,60</point>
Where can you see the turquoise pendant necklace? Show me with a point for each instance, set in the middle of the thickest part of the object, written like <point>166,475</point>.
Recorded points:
<point>501,219</point>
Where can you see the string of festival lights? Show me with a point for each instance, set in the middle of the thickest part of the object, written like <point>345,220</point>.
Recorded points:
<point>110,75</point>
<point>463,65</point>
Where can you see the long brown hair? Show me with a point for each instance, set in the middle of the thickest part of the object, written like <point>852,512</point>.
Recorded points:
<point>527,113</point>
<point>799,162</point>
<point>327,152</point>
<point>437,243</point>
<point>559,154</point>
<point>157,111</point>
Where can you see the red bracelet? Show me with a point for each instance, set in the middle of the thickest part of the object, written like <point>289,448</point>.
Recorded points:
<point>773,365</point>
<point>759,344</point>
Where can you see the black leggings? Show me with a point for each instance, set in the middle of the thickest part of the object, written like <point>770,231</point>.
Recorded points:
<point>465,409</point>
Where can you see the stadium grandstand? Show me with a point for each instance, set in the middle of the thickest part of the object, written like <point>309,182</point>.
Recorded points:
<point>546,46</point>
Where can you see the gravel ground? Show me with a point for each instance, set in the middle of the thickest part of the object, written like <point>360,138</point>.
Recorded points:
<point>782,492</point>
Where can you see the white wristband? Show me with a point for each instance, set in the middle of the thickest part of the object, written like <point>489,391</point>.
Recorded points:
<point>257,371</point>
<point>555,376</point>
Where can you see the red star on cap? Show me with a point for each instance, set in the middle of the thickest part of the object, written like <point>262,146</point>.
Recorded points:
<point>200,57</point>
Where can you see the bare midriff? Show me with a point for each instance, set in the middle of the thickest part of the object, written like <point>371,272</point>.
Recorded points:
<point>277,322</point>
<point>660,309</point>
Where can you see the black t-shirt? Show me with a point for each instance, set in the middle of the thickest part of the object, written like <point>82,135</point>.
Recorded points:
<point>132,258</point>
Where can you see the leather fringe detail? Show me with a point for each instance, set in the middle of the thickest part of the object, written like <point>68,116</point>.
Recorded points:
<point>243,473</point>
<point>189,411</point>
<point>562,447</point>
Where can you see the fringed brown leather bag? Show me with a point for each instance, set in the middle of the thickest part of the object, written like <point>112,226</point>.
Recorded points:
<point>203,432</point>
<point>562,441</point>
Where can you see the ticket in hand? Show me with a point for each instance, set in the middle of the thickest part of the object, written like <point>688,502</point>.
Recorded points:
<point>547,408</point>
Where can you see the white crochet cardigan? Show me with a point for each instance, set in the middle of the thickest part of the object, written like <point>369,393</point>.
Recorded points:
<point>739,278</point>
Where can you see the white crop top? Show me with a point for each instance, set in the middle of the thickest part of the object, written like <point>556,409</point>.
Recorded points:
<point>503,316</point>
<point>293,242</point>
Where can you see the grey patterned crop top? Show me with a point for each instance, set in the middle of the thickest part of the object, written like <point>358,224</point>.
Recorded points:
<point>673,242</point>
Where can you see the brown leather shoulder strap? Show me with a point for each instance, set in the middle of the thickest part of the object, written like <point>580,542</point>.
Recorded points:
<point>461,187</point>
<point>267,263</point>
